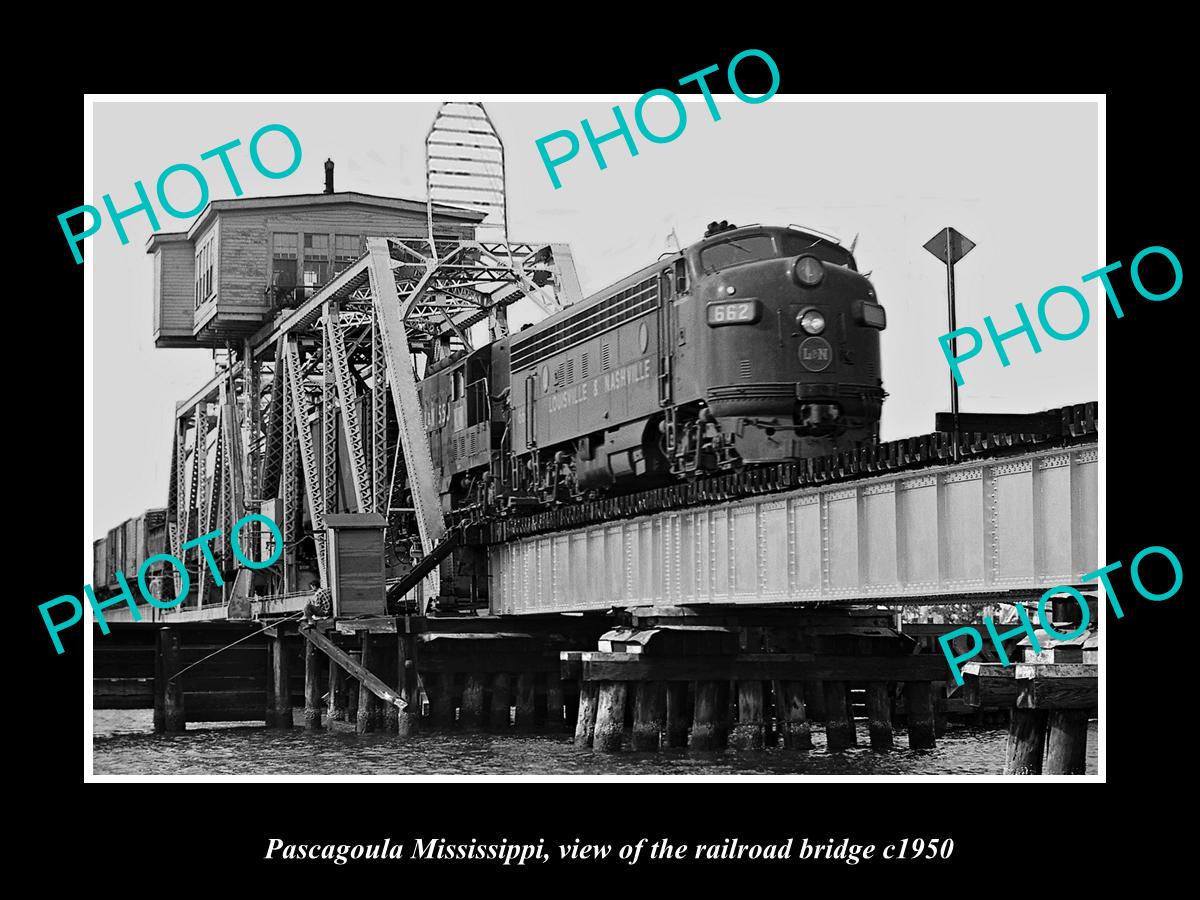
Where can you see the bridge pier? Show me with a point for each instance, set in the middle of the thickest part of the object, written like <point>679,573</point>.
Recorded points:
<point>337,693</point>
<point>750,731</point>
<point>370,713</point>
<point>610,716</point>
<point>687,680</point>
<point>471,714</point>
<point>279,708</point>
<point>169,713</point>
<point>839,726</point>
<point>708,721</point>
<point>554,701</point>
<point>879,715</point>
<point>1066,742</point>
<point>407,720</point>
<point>312,686</point>
<point>499,716</point>
<point>1050,705</point>
<point>649,714</point>
<point>678,721</point>
<point>790,714</point>
<point>526,699</point>
<point>918,701</point>
<point>585,723</point>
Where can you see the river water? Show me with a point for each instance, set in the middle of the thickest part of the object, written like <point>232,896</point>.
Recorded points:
<point>124,744</point>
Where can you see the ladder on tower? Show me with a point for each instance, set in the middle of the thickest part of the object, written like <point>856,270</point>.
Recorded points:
<point>464,168</point>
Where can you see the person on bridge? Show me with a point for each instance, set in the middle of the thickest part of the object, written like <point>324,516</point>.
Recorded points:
<point>321,605</point>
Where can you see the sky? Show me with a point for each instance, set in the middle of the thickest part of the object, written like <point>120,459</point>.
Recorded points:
<point>1017,178</point>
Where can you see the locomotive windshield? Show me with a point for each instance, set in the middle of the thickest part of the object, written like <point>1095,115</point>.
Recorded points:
<point>751,248</point>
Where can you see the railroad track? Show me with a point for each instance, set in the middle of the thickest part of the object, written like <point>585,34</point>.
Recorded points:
<point>1077,426</point>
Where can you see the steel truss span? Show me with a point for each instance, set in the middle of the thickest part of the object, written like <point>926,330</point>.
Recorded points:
<point>336,378</point>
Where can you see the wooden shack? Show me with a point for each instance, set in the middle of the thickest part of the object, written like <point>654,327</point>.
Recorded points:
<point>356,563</point>
<point>244,260</point>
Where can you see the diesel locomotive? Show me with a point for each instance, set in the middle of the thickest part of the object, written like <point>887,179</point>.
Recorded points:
<point>756,344</point>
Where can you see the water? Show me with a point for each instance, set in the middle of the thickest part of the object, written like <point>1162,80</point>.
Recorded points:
<point>124,744</point>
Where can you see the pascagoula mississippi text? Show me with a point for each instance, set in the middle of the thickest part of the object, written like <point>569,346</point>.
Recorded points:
<point>505,853</point>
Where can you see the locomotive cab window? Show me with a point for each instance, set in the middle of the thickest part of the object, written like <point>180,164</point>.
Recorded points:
<point>810,245</point>
<point>681,285</point>
<point>756,247</point>
<point>737,251</point>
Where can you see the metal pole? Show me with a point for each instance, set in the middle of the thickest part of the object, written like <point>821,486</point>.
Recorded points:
<point>953,341</point>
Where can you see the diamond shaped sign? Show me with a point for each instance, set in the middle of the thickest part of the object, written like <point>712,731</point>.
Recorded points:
<point>949,245</point>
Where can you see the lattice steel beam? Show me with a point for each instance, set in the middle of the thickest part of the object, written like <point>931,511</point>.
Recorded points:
<point>272,461</point>
<point>234,457</point>
<point>175,522</point>
<point>252,391</point>
<point>379,420</point>
<point>288,478</point>
<point>337,361</point>
<point>329,411</point>
<point>308,455</point>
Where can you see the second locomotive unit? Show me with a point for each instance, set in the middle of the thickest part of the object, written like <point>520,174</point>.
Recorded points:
<point>756,344</point>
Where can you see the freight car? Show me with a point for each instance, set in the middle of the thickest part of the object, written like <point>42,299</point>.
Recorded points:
<point>756,344</point>
<point>125,548</point>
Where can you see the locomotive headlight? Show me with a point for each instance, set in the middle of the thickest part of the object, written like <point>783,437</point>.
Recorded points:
<point>808,271</point>
<point>811,321</point>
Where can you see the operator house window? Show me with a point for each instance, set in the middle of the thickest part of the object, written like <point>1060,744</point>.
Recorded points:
<point>205,261</point>
<point>347,248</point>
<point>316,260</point>
<point>284,262</point>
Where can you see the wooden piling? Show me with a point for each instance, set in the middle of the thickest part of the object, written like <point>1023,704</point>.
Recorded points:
<point>368,704</point>
<point>1026,742</point>
<point>610,716</point>
<point>169,713</point>
<point>471,711</point>
<point>312,686</point>
<point>649,714</point>
<point>814,701</point>
<point>918,702</point>
<point>791,713</point>
<point>337,693</point>
<point>939,708</point>
<point>441,699</point>
<point>554,701</point>
<point>501,701</point>
<point>526,701</point>
<point>708,723</point>
<point>677,714</point>
<point>585,720</point>
<point>571,703</point>
<point>406,666</point>
<point>352,695</point>
<point>387,671</point>
<point>839,726</point>
<point>879,715</point>
<point>281,701</point>
<point>749,732</point>
<point>1066,742</point>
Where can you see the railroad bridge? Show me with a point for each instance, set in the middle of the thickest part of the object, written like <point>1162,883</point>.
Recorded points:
<point>736,608</point>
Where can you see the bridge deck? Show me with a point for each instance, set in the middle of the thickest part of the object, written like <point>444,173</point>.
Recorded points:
<point>1010,526</point>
